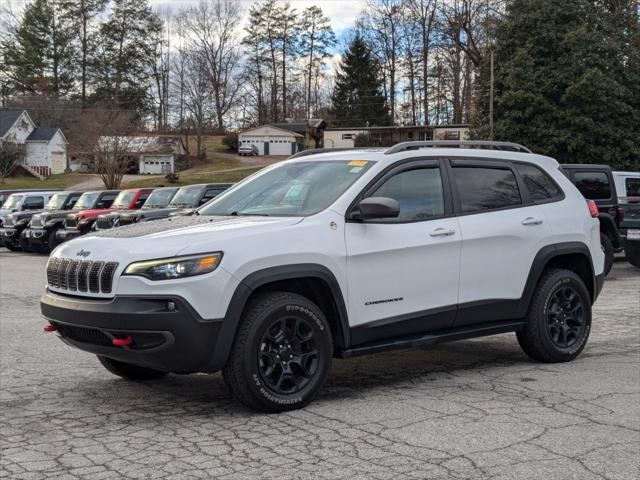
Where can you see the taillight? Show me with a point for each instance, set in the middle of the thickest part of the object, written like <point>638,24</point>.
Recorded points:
<point>593,208</point>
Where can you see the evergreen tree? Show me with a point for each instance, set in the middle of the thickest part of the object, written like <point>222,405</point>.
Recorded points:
<point>357,99</point>
<point>38,58</point>
<point>567,81</point>
<point>81,14</point>
<point>121,63</point>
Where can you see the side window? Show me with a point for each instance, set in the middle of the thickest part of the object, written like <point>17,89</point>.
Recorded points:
<point>141,199</point>
<point>540,185</point>
<point>106,201</point>
<point>72,201</point>
<point>593,185</point>
<point>33,203</point>
<point>482,188</point>
<point>632,186</point>
<point>209,194</point>
<point>418,191</point>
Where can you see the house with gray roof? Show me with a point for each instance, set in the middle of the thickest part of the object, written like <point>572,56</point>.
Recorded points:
<point>45,148</point>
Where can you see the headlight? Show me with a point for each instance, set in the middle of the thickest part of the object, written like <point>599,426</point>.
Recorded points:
<point>178,267</point>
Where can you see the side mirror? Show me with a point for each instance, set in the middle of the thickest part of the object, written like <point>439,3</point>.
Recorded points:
<point>377,207</point>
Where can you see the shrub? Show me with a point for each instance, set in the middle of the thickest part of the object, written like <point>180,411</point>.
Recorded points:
<point>230,140</point>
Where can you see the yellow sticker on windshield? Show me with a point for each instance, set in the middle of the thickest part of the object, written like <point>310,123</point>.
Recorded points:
<point>358,163</point>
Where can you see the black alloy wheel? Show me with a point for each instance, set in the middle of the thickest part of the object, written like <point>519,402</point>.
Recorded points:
<point>288,355</point>
<point>565,317</point>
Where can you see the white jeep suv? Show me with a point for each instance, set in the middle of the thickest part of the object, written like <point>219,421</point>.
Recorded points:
<point>338,254</point>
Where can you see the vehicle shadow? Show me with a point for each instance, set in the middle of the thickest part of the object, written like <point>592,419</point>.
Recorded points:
<point>207,395</point>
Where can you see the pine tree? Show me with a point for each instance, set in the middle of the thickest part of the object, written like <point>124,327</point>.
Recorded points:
<point>357,99</point>
<point>567,81</point>
<point>80,14</point>
<point>39,56</point>
<point>121,63</point>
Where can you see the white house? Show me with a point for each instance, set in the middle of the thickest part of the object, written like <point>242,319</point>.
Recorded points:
<point>45,148</point>
<point>272,140</point>
<point>154,154</point>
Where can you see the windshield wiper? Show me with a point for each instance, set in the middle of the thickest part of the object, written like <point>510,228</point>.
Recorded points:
<point>244,214</point>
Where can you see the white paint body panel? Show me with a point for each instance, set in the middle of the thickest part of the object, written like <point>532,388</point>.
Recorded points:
<point>488,257</point>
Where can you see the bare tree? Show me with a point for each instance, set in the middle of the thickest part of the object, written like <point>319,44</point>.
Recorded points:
<point>11,155</point>
<point>212,28</point>
<point>109,142</point>
<point>198,95</point>
<point>423,13</point>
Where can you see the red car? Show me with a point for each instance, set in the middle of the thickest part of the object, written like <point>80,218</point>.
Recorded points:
<point>79,223</point>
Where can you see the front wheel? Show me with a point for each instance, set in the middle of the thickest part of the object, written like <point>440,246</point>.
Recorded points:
<point>130,371</point>
<point>559,319</point>
<point>281,355</point>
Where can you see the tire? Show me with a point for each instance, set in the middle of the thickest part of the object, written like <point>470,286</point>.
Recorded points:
<point>11,247</point>
<point>546,318</point>
<point>281,355</point>
<point>632,252</point>
<point>130,371</point>
<point>607,248</point>
<point>52,241</point>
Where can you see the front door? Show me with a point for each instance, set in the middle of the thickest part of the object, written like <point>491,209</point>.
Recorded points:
<point>403,272</point>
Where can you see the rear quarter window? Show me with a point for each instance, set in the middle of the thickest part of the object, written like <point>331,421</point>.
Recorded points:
<point>593,185</point>
<point>540,185</point>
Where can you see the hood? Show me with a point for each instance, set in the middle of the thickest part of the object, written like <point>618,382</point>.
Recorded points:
<point>153,213</point>
<point>5,211</point>
<point>52,214</point>
<point>169,237</point>
<point>21,215</point>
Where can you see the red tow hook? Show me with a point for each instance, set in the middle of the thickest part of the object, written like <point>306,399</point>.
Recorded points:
<point>122,342</point>
<point>50,328</point>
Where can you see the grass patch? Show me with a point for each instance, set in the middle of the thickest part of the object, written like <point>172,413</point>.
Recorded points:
<point>192,176</point>
<point>61,180</point>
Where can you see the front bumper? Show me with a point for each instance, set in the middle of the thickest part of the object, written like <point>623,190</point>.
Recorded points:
<point>37,237</point>
<point>68,234</point>
<point>168,338</point>
<point>11,236</point>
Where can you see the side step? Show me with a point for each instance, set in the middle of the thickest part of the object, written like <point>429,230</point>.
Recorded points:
<point>433,338</point>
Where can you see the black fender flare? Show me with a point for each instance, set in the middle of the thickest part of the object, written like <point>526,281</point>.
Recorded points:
<point>262,277</point>
<point>608,227</point>
<point>540,262</point>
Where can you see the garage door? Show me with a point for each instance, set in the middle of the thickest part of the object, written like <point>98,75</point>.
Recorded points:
<point>280,147</point>
<point>156,165</point>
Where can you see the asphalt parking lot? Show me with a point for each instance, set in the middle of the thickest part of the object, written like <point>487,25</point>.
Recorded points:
<point>472,409</point>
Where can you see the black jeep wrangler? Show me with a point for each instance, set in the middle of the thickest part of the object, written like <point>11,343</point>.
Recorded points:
<point>596,183</point>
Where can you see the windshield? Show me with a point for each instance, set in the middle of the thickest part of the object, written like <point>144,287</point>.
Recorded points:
<point>12,201</point>
<point>289,189</point>
<point>86,201</point>
<point>159,198</point>
<point>187,196</point>
<point>56,202</point>
<point>124,199</point>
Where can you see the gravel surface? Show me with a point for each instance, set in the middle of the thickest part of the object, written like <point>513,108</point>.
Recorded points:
<point>472,409</point>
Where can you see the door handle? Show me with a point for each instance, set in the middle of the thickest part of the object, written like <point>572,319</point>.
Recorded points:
<point>442,232</point>
<point>532,221</point>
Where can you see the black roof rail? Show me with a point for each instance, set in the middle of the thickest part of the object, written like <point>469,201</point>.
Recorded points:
<point>491,145</point>
<point>314,151</point>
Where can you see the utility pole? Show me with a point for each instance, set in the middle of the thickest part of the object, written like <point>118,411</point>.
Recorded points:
<point>491,99</point>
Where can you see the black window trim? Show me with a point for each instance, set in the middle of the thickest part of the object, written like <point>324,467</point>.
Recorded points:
<point>557,198</point>
<point>398,167</point>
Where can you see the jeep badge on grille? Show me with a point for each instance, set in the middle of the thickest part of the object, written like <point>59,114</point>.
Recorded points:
<point>83,253</point>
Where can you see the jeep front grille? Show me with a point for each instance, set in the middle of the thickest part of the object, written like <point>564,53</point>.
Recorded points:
<point>81,275</point>
<point>8,222</point>
<point>104,223</point>
<point>36,221</point>
<point>71,221</point>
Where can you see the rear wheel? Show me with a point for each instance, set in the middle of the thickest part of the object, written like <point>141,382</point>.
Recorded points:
<point>559,319</point>
<point>607,249</point>
<point>130,371</point>
<point>281,355</point>
<point>632,252</point>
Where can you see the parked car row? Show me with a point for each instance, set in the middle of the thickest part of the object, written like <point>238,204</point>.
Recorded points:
<point>58,216</point>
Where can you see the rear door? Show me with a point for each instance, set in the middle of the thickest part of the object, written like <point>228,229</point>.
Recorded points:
<point>502,231</point>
